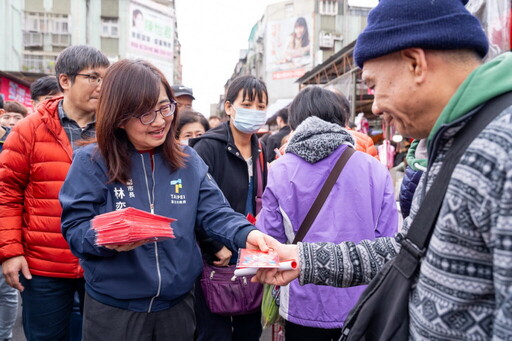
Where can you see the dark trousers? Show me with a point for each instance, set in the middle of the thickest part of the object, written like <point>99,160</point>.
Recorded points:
<point>213,327</point>
<point>295,332</point>
<point>105,323</point>
<point>48,307</point>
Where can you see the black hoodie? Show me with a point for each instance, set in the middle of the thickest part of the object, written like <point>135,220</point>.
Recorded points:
<point>227,165</point>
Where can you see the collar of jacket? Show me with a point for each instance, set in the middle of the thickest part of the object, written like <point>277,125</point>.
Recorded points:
<point>50,116</point>
<point>315,139</point>
<point>233,149</point>
<point>417,147</point>
<point>483,84</point>
<point>6,133</point>
<point>286,129</point>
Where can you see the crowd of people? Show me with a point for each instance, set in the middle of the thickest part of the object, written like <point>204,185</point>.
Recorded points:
<point>104,137</point>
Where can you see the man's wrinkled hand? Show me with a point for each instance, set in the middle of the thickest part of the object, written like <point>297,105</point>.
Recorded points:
<point>275,277</point>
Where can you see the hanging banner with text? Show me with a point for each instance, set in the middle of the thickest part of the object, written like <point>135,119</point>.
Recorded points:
<point>151,35</point>
<point>13,91</point>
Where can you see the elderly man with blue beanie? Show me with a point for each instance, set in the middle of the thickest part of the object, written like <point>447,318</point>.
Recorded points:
<point>423,60</point>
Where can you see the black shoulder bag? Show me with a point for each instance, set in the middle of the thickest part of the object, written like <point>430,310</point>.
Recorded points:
<point>323,194</point>
<point>382,312</point>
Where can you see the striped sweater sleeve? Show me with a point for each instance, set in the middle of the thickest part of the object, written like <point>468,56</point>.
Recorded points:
<point>346,264</point>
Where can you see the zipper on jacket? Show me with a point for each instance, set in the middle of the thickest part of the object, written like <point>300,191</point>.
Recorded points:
<point>151,199</point>
<point>233,149</point>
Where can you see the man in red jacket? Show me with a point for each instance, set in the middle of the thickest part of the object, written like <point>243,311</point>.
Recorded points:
<point>35,258</point>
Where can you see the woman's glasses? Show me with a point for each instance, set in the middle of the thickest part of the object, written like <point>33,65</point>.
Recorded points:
<point>150,116</point>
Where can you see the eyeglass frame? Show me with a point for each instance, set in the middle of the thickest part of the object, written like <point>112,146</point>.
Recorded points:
<point>172,104</point>
<point>90,78</point>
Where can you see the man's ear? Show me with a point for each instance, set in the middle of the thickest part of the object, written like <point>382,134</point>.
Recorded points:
<point>416,61</point>
<point>65,81</point>
<point>2,112</point>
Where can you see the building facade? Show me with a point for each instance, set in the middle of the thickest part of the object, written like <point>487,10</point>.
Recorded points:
<point>41,29</point>
<point>293,37</point>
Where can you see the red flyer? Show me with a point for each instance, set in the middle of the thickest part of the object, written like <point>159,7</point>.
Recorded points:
<point>257,259</point>
<point>130,225</point>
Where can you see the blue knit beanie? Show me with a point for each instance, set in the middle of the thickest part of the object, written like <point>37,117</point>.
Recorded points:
<point>394,25</point>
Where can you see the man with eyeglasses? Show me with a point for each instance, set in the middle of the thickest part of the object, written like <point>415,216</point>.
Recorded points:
<point>35,258</point>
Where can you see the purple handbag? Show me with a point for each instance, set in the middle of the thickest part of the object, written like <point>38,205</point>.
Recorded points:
<point>228,295</point>
<point>225,296</point>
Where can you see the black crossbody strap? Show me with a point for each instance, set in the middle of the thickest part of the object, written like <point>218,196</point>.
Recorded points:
<point>323,194</point>
<point>423,224</point>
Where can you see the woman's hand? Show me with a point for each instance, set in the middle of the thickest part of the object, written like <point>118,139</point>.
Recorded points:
<point>224,255</point>
<point>127,247</point>
<point>257,240</point>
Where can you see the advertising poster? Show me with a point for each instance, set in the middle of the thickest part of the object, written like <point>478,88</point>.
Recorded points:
<point>12,91</point>
<point>289,47</point>
<point>152,35</point>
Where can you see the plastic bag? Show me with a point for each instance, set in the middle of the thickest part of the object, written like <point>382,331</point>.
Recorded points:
<point>270,305</point>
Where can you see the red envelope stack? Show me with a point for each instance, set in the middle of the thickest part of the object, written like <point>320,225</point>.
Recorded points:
<point>130,225</point>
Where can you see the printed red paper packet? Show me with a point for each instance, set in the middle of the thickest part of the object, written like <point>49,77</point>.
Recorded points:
<point>257,259</point>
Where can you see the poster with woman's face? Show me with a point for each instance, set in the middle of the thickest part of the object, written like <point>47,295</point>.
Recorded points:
<point>289,47</point>
<point>151,35</point>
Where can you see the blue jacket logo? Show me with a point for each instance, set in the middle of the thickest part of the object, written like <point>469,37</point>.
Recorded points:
<point>177,185</point>
<point>177,197</point>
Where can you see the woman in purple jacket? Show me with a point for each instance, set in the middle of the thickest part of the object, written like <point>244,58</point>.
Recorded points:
<point>360,206</point>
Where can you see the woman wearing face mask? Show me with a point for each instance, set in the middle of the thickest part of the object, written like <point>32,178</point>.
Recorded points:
<point>235,160</point>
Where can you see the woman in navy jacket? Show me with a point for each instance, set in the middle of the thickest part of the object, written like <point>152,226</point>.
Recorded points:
<point>143,290</point>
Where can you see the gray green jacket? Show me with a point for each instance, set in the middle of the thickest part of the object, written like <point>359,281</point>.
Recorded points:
<point>464,288</point>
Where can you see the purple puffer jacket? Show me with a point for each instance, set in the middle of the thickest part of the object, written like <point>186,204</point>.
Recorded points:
<point>360,206</point>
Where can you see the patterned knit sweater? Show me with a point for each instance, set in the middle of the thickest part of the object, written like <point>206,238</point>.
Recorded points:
<point>464,287</point>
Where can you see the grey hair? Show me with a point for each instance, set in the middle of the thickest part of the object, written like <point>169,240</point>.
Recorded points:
<point>74,59</point>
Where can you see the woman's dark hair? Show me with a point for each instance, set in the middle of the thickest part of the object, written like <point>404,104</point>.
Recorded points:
<point>251,87</point>
<point>305,36</point>
<point>130,88</point>
<point>325,104</point>
<point>283,113</point>
<point>190,116</point>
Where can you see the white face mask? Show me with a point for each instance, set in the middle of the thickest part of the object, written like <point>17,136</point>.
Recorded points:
<point>184,142</point>
<point>249,121</point>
